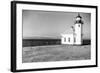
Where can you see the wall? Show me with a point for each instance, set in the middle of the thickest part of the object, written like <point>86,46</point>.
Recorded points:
<point>5,37</point>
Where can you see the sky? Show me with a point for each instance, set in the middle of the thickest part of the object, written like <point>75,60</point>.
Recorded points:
<point>52,24</point>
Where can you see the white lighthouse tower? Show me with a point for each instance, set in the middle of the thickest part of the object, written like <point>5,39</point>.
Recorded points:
<point>76,37</point>
<point>78,30</point>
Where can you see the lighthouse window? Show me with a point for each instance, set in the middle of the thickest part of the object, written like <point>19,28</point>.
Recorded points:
<point>64,39</point>
<point>78,25</point>
<point>74,39</point>
<point>68,39</point>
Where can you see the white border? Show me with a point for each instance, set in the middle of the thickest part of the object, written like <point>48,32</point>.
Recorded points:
<point>21,65</point>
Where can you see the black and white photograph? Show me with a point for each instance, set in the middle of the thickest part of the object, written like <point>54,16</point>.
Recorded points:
<point>56,36</point>
<point>47,36</point>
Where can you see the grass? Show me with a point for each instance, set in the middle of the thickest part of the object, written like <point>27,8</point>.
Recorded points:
<point>55,53</point>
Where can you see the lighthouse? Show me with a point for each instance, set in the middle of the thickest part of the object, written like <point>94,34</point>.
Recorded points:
<point>76,37</point>
<point>78,26</point>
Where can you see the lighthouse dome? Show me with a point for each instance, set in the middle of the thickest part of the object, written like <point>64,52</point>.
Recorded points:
<point>78,16</point>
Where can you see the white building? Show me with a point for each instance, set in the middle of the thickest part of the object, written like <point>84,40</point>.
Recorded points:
<point>76,36</point>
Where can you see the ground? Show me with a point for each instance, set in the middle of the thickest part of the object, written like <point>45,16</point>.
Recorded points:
<point>55,53</point>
